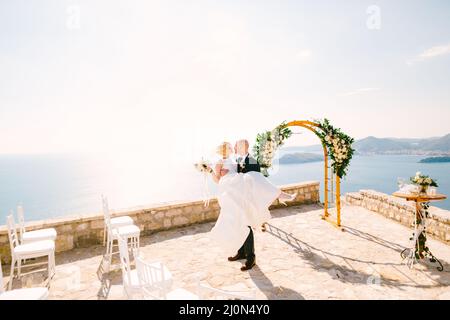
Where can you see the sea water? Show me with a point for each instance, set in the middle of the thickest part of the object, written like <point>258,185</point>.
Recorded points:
<point>62,185</point>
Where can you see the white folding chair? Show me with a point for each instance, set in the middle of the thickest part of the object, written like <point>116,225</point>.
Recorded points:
<point>115,222</point>
<point>155,282</point>
<point>38,293</point>
<point>130,278</point>
<point>20,252</point>
<point>35,235</point>
<point>130,233</point>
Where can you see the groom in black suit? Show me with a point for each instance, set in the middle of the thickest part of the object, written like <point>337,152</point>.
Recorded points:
<point>246,163</point>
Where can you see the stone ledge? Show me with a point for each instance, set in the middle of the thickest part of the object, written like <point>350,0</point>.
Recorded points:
<point>84,230</point>
<point>402,211</point>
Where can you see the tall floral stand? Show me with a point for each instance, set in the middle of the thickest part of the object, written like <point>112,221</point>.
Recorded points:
<point>420,250</point>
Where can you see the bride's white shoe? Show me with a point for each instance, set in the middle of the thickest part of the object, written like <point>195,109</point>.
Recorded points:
<point>289,199</point>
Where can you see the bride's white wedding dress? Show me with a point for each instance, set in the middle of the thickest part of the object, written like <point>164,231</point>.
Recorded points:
<point>244,200</point>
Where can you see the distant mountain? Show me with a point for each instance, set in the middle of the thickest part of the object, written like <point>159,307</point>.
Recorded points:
<point>299,157</point>
<point>377,145</point>
<point>437,146</point>
<point>442,144</point>
<point>430,146</point>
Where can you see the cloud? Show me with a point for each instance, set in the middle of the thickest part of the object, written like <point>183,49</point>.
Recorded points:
<point>358,91</point>
<point>430,53</point>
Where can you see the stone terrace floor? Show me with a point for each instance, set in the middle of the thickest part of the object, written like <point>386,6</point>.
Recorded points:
<point>299,257</point>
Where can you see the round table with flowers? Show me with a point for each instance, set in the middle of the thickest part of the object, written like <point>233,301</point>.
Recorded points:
<point>420,250</point>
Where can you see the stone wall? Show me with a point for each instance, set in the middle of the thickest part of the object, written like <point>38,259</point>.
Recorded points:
<point>438,223</point>
<point>86,230</point>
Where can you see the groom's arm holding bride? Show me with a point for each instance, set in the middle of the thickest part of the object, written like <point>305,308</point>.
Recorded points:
<point>251,165</point>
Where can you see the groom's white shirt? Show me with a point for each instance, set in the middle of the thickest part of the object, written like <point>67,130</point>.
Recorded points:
<point>242,158</point>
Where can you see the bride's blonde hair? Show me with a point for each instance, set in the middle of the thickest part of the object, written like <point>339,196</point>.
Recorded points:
<point>224,149</point>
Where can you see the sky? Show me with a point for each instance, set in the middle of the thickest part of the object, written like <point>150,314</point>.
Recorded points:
<point>177,77</point>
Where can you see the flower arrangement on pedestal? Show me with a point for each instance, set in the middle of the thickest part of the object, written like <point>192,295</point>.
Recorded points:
<point>267,144</point>
<point>339,146</point>
<point>423,181</point>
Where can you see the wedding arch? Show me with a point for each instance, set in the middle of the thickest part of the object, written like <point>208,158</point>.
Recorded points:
<point>337,152</point>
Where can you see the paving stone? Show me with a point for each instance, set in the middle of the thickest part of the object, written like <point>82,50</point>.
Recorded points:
<point>302,257</point>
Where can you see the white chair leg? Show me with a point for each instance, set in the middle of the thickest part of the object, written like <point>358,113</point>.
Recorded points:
<point>49,266</point>
<point>104,235</point>
<point>111,246</point>
<point>108,244</point>
<point>19,267</point>
<point>53,263</point>
<point>11,273</point>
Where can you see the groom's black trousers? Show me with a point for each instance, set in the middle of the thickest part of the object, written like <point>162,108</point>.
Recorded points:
<point>248,248</point>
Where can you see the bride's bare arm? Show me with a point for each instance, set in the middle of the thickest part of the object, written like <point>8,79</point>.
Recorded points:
<point>217,173</point>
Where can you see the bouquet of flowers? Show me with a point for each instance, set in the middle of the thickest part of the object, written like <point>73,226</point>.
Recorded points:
<point>203,166</point>
<point>423,181</point>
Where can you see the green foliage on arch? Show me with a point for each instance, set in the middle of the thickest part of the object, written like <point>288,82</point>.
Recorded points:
<point>338,144</point>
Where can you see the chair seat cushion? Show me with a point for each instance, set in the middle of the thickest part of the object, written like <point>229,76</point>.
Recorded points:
<point>25,294</point>
<point>126,231</point>
<point>121,221</point>
<point>181,294</point>
<point>38,235</point>
<point>35,247</point>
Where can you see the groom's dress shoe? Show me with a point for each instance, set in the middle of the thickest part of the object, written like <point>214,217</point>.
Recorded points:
<point>248,265</point>
<point>236,257</point>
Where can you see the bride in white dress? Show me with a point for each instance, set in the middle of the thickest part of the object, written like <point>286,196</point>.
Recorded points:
<point>244,200</point>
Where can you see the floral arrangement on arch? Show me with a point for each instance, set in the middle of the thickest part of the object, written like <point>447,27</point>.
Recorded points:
<point>266,145</point>
<point>339,146</point>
